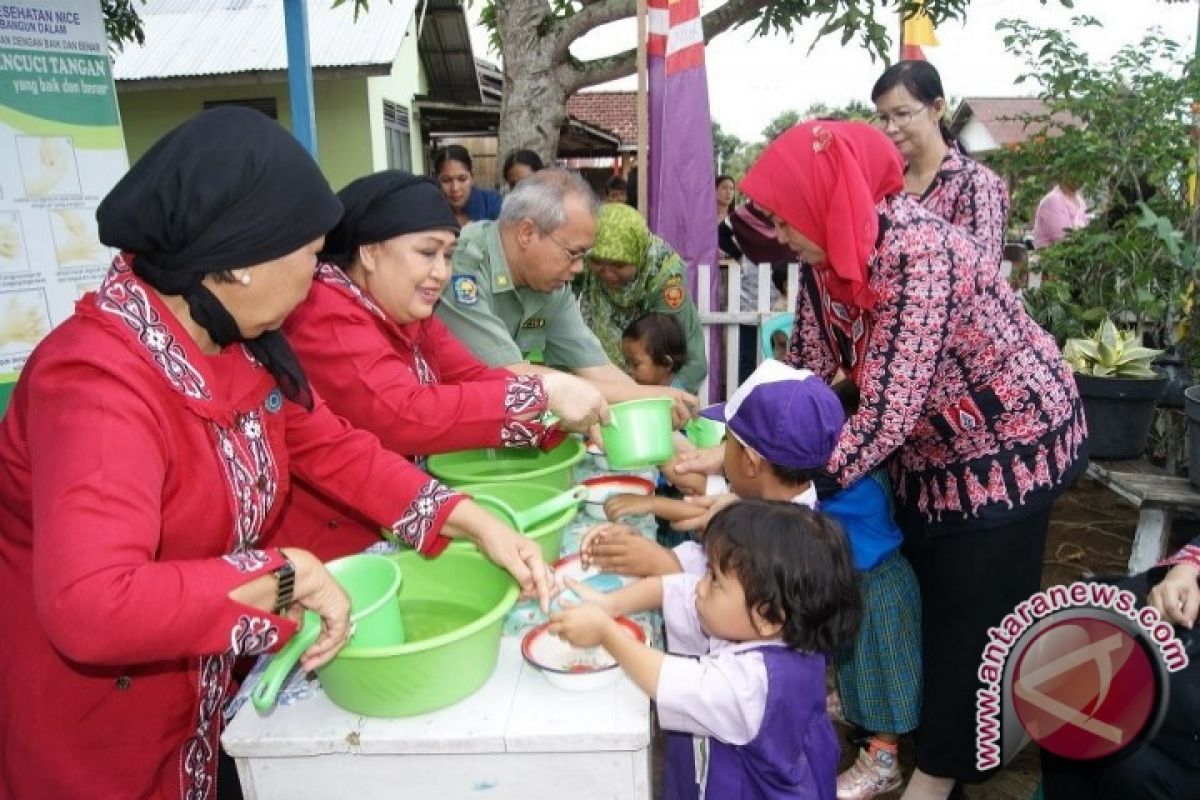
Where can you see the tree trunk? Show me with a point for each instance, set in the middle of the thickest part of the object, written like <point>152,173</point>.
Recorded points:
<point>534,105</point>
<point>540,73</point>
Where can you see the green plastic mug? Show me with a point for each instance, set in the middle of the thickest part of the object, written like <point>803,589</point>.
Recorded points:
<point>639,433</point>
<point>372,582</point>
<point>705,432</point>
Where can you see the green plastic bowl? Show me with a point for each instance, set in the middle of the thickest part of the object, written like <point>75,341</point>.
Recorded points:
<point>640,433</point>
<point>516,464</point>
<point>371,582</point>
<point>454,608</point>
<point>520,496</point>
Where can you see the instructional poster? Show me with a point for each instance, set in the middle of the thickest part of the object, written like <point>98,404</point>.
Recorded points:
<point>61,150</point>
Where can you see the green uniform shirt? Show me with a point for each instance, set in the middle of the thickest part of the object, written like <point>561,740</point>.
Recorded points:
<point>501,323</point>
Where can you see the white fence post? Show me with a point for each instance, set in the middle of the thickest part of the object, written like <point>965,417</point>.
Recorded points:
<point>727,320</point>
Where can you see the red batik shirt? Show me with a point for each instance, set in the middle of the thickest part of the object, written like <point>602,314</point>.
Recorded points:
<point>415,386</point>
<point>968,194</point>
<point>138,477</point>
<point>966,398</point>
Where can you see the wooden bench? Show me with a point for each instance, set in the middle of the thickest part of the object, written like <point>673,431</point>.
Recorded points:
<point>1157,496</point>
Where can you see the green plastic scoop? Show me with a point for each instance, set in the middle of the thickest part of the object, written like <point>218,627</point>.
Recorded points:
<point>522,521</point>
<point>372,582</point>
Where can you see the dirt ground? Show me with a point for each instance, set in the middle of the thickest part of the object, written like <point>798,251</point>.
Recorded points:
<point>1091,532</point>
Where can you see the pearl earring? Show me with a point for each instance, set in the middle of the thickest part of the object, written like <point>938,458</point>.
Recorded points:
<point>245,279</point>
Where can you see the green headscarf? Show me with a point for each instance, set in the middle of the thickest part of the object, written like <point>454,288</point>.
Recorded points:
<point>622,236</point>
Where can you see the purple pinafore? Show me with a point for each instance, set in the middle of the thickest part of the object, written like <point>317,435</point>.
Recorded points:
<point>794,755</point>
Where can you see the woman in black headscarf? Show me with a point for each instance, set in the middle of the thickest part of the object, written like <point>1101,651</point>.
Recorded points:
<point>369,341</point>
<point>146,454</point>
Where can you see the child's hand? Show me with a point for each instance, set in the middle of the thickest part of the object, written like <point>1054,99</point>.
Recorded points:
<point>712,504</point>
<point>629,553</point>
<point>595,533</point>
<point>704,460</point>
<point>690,483</point>
<point>591,597</point>
<point>580,626</point>
<point>627,505</point>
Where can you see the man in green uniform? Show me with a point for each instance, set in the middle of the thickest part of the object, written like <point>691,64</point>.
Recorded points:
<point>509,297</point>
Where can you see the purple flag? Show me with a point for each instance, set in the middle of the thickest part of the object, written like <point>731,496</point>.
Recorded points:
<point>680,175</point>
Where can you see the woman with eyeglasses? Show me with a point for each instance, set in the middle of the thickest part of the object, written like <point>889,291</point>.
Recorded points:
<point>963,398</point>
<point>630,271</point>
<point>372,346</point>
<point>910,107</point>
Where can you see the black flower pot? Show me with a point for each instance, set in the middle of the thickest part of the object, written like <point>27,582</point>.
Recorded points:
<point>1191,404</point>
<point>1119,413</point>
<point>1178,377</point>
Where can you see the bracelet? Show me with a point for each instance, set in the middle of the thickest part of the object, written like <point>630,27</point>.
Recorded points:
<point>286,577</point>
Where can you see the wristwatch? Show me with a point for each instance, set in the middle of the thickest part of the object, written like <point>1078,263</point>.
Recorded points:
<point>286,577</point>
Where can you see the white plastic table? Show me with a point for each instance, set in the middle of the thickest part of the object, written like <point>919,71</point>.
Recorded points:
<point>518,737</point>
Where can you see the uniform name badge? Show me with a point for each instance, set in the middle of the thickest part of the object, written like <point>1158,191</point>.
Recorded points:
<point>466,290</point>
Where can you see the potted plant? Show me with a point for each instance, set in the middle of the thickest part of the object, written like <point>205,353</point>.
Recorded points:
<point>1118,388</point>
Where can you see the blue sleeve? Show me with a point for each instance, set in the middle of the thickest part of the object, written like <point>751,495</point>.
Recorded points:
<point>862,511</point>
<point>483,204</point>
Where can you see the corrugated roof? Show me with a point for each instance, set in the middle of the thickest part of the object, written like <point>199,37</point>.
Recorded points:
<point>1001,117</point>
<point>612,111</point>
<point>188,38</point>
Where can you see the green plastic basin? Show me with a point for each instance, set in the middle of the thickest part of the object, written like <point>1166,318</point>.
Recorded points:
<point>454,608</point>
<point>521,496</point>
<point>639,434</point>
<point>516,464</point>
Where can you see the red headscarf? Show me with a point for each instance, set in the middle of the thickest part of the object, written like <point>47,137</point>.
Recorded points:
<point>824,179</point>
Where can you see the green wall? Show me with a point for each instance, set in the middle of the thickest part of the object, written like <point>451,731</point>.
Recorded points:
<point>343,123</point>
<point>407,79</point>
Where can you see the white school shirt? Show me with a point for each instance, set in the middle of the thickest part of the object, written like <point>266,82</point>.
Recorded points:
<point>708,686</point>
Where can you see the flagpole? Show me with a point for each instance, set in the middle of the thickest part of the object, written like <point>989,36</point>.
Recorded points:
<point>643,115</point>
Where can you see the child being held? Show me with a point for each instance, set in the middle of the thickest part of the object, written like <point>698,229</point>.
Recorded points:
<point>782,426</point>
<point>742,692</point>
<point>655,348</point>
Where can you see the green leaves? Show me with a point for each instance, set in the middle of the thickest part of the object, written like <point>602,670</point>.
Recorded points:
<point>1111,352</point>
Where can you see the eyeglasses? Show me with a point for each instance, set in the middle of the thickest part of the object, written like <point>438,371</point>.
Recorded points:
<point>901,118</point>
<point>572,255</point>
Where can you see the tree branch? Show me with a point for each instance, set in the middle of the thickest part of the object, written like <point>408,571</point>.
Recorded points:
<point>608,68</point>
<point>593,15</point>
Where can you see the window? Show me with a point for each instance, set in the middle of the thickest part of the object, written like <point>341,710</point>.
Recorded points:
<point>397,136</point>
<point>264,104</point>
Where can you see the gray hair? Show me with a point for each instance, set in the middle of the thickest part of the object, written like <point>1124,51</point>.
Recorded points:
<point>540,198</point>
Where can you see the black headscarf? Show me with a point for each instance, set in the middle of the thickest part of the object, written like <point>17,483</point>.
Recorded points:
<point>383,205</point>
<point>225,190</point>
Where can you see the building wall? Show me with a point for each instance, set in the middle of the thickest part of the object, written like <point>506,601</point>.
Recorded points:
<point>407,79</point>
<point>344,127</point>
<point>975,137</point>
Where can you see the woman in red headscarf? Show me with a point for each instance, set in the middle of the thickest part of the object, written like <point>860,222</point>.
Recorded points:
<point>963,396</point>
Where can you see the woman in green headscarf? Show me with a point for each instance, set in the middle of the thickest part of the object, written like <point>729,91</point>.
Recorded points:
<point>630,271</point>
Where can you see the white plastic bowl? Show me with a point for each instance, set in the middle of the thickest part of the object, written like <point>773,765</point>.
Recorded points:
<point>574,669</point>
<point>602,488</point>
